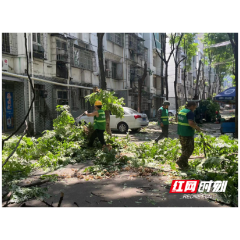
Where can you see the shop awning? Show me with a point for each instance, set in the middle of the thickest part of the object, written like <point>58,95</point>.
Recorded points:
<point>8,78</point>
<point>227,96</point>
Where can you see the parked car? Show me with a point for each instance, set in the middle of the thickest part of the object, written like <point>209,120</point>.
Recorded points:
<point>171,112</point>
<point>131,120</point>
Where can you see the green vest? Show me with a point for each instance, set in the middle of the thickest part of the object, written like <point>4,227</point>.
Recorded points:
<point>184,128</point>
<point>164,116</point>
<point>100,121</point>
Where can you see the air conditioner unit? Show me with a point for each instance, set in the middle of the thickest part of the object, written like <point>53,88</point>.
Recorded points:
<point>108,74</point>
<point>5,64</point>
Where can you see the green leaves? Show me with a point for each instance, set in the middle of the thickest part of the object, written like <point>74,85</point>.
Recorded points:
<point>110,102</point>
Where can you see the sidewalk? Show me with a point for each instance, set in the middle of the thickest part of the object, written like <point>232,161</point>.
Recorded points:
<point>124,190</point>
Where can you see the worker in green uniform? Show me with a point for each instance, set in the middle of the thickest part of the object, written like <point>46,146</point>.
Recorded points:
<point>163,120</point>
<point>186,129</point>
<point>99,124</point>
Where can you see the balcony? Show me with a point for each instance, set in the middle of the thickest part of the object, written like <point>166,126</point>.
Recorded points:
<point>83,58</point>
<point>116,38</point>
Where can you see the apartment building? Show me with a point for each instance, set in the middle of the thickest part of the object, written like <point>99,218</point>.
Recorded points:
<point>64,69</point>
<point>56,60</point>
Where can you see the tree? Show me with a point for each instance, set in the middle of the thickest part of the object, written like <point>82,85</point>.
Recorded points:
<point>164,58</point>
<point>177,62</point>
<point>234,42</point>
<point>196,95</point>
<point>219,57</point>
<point>103,83</point>
<point>110,103</point>
<point>140,83</point>
<point>190,49</point>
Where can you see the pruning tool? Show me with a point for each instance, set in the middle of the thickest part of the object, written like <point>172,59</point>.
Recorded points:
<point>79,117</point>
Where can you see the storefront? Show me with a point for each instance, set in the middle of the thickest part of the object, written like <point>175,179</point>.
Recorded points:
<point>11,112</point>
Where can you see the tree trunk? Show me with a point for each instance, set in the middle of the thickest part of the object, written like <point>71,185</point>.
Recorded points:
<point>209,82</point>
<point>203,95</point>
<point>184,83</point>
<point>140,83</point>
<point>236,80</point>
<point>103,84</point>
<point>166,79</point>
<point>198,75</point>
<point>175,88</point>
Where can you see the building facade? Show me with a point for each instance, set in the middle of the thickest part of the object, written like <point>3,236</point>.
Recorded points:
<point>64,69</point>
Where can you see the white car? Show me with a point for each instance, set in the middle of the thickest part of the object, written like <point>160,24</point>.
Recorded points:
<point>171,113</point>
<point>131,120</point>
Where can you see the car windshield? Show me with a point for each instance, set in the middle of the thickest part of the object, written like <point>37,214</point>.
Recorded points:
<point>130,111</point>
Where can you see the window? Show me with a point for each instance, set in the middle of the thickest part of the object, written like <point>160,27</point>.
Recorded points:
<point>38,51</point>
<point>116,38</point>
<point>83,59</point>
<point>62,70</point>
<point>5,43</point>
<point>114,70</point>
<point>74,103</point>
<point>158,42</point>
<point>61,51</point>
<point>82,103</point>
<point>129,111</point>
<point>36,38</point>
<point>62,97</point>
<point>154,82</point>
<point>39,101</point>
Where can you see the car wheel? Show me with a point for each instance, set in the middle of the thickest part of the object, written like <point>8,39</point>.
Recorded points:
<point>122,127</point>
<point>170,114</point>
<point>136,130</point>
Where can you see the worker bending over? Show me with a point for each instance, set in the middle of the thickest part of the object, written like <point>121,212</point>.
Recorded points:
<point>99,124</point>
<point>163,120</point>
<point>186,129</point>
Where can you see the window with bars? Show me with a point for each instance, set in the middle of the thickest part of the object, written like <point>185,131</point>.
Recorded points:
<point>39,101</point>
<point>38,50</point>
<point>36,38</point>
<point>74,99</point>
<point>114,70</point>
<point>116,38</point>
<point>62,97</point>
<point>5,42</point>
<point>61,51</point>
<point>132,42</point>
<point>83,59</point>
<point>82,103</point>
<point>140,48</point>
